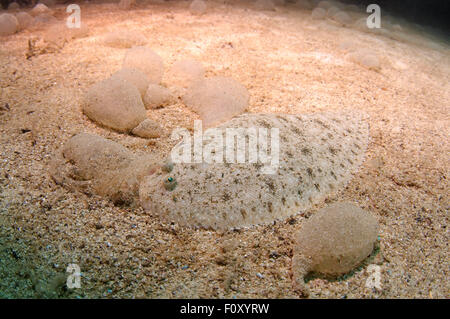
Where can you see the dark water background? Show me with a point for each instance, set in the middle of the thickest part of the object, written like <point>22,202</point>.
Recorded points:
<point>433,15</point>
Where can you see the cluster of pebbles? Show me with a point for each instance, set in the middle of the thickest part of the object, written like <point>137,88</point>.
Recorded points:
<point>18,20</point>
<point>318,153</point>
<point>120,101</point>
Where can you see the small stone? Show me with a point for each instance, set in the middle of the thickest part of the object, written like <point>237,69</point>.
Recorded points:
<point>197,7</point>
<point>342,18</point>
<point>318,14</point>
<point>92,155</point>
<point>116,104</point>
<point>217,99</point>
<point>146,60</point>
<point>135,77</point>
<point>148,129</point>
<point>25,20</point>
<point>43,20</point>
<point>333,241</point>
<point>40,8</point>
<point>13,6</point>
<point>185,72</point>
<point>332,11</point>
<point>157,96</point>
<point>8,24</point>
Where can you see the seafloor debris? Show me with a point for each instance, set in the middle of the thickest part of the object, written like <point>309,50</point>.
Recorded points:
<point>317,155</point>
<point>38,46</point>
<point>332,242</point>
<point>217,99</point>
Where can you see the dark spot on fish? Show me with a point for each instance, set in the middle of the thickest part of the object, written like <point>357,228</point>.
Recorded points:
<point>306,151</point>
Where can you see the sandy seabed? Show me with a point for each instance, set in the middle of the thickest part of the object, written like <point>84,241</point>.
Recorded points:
<point>290,64</point>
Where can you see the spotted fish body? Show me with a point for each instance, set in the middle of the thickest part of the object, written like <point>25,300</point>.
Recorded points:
<point>317,155</point>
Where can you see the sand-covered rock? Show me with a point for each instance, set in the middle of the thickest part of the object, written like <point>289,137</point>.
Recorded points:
<point>157,96</point>
<point>325,4</point>
<point>342,18</point>
<point>332,242</point>
<point>40,8</point>
<point>25,20</point>
<point>44,20</point>
<point>304,4</point>
<point>149,129</point>
<point>317,155</point>
<point>217,99</point>
<point>332,11</point>
<point>265,5</point>
<point>124,39</point>
<point>318,14</point>
<point>135,77</point>
<point>127,4</point>
<point>8,24</point>
<point>146,60</point>
<point>185,72</point>
<point>95,165</point>
<point>115,103</point>
<point>13,6</point>
<point>197,7</point>
<point>92,155</point>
